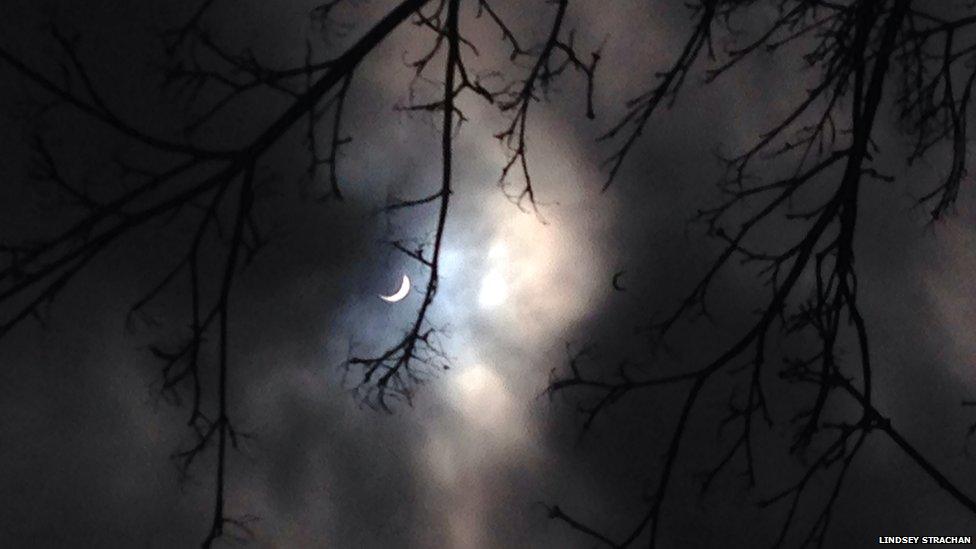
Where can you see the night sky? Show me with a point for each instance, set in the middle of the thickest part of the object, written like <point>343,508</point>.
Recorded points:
<point>482,450</point>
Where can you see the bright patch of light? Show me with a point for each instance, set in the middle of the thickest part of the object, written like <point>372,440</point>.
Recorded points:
<point>476,382</point>
<point>494,285</point>
<point>498,251</point>
<point>494,290</point>
<point>483,398</point>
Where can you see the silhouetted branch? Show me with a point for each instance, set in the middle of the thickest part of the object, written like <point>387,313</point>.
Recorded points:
<point>398,366</point>
<point>195,187</point>
<point>854,46</point>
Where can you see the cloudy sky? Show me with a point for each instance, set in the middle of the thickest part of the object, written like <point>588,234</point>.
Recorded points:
<point>474,460</point>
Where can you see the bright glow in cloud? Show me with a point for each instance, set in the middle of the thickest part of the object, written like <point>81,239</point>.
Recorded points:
<point>494,289</point>
<point>512,287</point>
<point>483,399</point>
<point>538,278</point>
<point>494,285</point>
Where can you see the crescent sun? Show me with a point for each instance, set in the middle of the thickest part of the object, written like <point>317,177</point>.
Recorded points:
<point>400,294</point>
